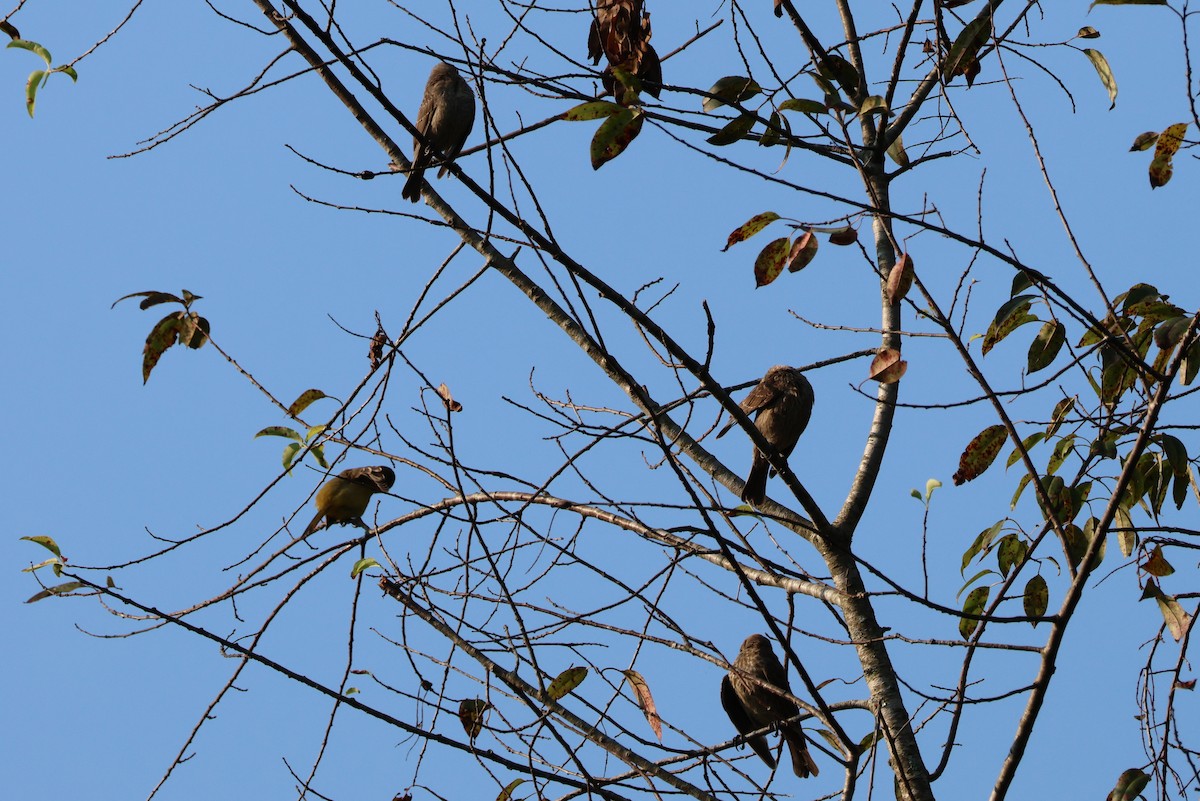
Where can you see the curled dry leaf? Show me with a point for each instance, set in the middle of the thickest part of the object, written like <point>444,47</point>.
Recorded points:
<point>900,279</point>
<point>843,236</point>
<point>378,342</point>
<point>645,700</point>
<point>887,367</point>
<point>448,399</point>
<point>804,250</point>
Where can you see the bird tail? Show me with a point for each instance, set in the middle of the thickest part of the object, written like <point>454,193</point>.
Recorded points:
<point>802,761</point>
<point>412,187</point>
<point>314,525</point>
<point>755,490</point>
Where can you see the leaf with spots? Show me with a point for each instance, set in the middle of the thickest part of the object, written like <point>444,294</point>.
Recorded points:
<point>979,454</point>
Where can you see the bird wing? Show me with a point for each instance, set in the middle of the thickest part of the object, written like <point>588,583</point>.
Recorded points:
<point>760,397</point>
<point>742,722</point>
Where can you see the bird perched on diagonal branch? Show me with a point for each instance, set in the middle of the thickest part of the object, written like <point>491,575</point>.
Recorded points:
<point>444,120</point>
<point>344,498</point>
<point>782,403</point>
<point>751,706</point>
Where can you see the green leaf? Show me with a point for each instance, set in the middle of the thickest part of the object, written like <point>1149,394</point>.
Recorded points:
<point>771,260</point>
<point>594,110</point>
<point>1127,536</point>
<point>803,106</point>
<point>1144,141</point>
<point>734,131</point>
<point>1020,488</point>
<point>37,79</point>
<point>61,589</point>
<point>974,605</point>
<point>1061,451</point>
<point>875,104</point>
<point>981,543</point>
<point>289,453</point>
<point>161,337</point>
<point>507,792</point>
<point>750,228</point>
<point>614,135</point>
<point>1131,782</point>
<point>1037,597</point>
<point>565,682</point>
<point>897,153</point>
<point>979,454</point>
<point>1027,444</point>
<point>32,47</point>
<point>46,542</point>
<point>1105,72</point>
<point>361,565</point>
<point>771,135</point>
<point>967,45</point>
<point>280,431</point>
<point>1061,410</point>
<point>306,399</point>
<point>1046,345</point>
<point>1173,615</point>
<point>1010,552</point>
<point>470,714</point>
<point>1009,317</point>
<point>730,89</point>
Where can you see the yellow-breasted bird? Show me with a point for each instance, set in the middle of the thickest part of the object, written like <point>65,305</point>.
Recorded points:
<point>344,498</point>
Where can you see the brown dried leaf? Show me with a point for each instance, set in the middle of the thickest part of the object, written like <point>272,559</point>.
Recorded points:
<point>900,279</point>
<point>887,367</point>
<point>804,250</point>
<point>448,399</point>
<point>645,700</point>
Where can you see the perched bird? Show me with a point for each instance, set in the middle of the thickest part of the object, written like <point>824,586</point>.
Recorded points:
<point>751,706</point>
<point>344,498</point>
<point>783,400</point>
<point>444,121</point>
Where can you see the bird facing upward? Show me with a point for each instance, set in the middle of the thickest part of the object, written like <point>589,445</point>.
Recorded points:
<point>344,498</point>
<point>444,120</point>
<point>782,402</point>
<point>751,706</point>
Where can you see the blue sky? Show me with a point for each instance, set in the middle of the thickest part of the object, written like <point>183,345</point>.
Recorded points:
<point>96,459</point>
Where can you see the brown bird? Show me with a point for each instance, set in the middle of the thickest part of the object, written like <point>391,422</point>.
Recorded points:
<point>783,401</point>
<point>444,121</point>
<point>751,706</point>
<point>344,498</point>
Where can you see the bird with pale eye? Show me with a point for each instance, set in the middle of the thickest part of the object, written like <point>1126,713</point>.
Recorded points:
<point>444,121</point>
<point>782,403</point>
<point>344,498</point>
<point>752,706</point>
